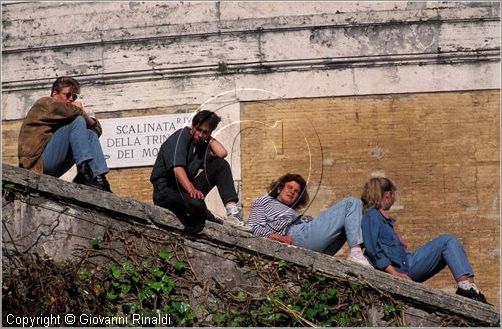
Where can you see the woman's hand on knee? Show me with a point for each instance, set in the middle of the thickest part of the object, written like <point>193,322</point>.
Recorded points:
<point>391,270</point>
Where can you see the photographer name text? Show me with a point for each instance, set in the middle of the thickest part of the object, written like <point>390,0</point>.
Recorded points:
<point>88,320</point>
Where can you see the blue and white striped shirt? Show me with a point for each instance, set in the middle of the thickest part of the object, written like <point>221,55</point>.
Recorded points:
<point>268,215</point>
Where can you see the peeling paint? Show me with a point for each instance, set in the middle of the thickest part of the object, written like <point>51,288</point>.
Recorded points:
<point>134,5</point>
<point>376,152</point>
<point>377,173</point>
<point>474,207</point>
<point>328,161</point>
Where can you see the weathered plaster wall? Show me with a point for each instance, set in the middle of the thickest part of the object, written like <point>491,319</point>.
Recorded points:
<point>125,50</point>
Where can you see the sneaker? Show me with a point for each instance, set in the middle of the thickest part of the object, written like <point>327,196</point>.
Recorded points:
<point>360,259</point>
<point>472,294</point>
<point>234,213</point>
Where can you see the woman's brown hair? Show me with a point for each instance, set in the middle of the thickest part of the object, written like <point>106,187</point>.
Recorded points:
<point>276,186</point>
<point>374,190</point>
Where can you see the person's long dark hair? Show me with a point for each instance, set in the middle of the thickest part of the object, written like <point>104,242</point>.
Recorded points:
<point>276,186</point>
<point>206,117</point>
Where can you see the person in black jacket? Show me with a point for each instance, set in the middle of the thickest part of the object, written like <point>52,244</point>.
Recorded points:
<point>189,164</point>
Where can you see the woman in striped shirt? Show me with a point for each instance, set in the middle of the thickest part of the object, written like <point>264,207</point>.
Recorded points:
<point>275,215</point>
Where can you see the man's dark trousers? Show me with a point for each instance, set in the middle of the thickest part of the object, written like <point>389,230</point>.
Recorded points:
<point>192,212</point>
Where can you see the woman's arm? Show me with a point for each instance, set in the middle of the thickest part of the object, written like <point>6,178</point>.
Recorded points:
<point>402,238</point>
<point>281,238</point>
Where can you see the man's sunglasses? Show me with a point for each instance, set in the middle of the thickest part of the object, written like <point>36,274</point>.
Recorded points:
<point>71,96</point>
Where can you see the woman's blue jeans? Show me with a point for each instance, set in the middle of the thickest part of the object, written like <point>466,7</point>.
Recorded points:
<point>73,144</point>
<point>432,257</point>
<point>328,232</point>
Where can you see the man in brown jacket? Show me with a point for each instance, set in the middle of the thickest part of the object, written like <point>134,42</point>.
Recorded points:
<point>57,133</point>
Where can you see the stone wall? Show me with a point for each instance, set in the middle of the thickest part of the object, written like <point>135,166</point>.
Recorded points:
<point>55,219</point>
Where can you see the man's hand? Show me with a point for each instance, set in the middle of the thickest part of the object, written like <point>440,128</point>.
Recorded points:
<point>281,238</point>
<point>182,178</point>
<point>196,194</point>
<point>78,104</point>
<point>88,119</point>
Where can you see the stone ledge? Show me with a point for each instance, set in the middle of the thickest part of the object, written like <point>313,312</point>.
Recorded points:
<point>137,213</point>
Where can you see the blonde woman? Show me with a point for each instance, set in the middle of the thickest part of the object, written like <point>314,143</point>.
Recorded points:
<point>387,250</point>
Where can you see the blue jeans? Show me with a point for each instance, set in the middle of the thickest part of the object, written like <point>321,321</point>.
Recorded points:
<point>73,144</point>
<point>328,232</point>
<point>432,257</point>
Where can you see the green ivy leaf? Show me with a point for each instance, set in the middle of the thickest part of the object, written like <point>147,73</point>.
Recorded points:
<point>181,307</point>
<point>354,308</point>
<point>128,266</point>
<point>157,286</point>
<point>281,264</point>
<point>125,288</point>
<point>238,321</point>
<point>117,272</point>
<point>111,296</point>
<point>95,243</point>
<point>146,294</point>
<point>179,266</point>
<point>156,272</point>
<point>168,286</point>
<point>320,278</point>
<point>332,294</point>
<point>241,296</point>
<point>8,186</point>
<point>83,274</point>
<point>146,263</point>
<point>220,320</point>
<point>164,254</point>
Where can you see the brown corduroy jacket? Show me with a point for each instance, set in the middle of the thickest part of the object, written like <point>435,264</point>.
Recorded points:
<point>45,117</point>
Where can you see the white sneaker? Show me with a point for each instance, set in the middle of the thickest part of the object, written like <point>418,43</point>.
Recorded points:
<point>234,214</point>
<point>360,259</point>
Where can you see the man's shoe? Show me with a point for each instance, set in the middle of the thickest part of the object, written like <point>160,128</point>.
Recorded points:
<point>472,294</point>
<point>84,175</point>
<point>103,183</point>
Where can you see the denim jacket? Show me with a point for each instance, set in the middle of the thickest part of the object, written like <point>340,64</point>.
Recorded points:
<point>382,244</point>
